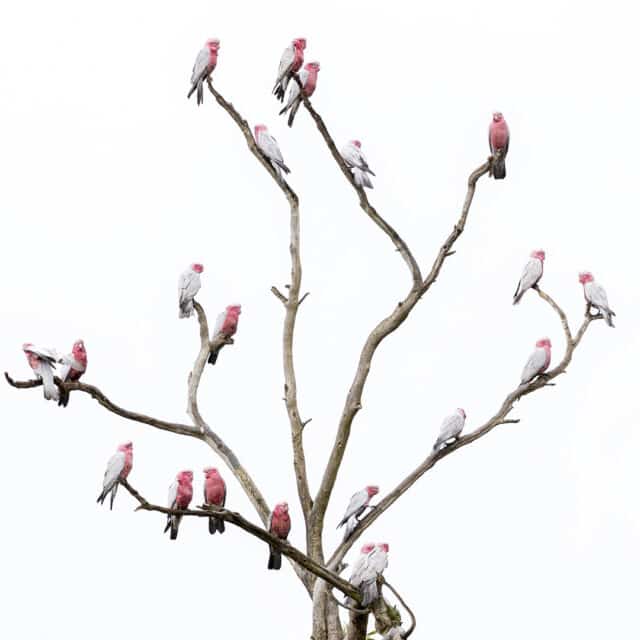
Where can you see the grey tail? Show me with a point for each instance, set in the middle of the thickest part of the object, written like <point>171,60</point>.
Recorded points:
<point>168,526</point>
<point>517,296</point>
<point>212,526</point>
<point>284,167</point>
<point>200,96</point>
<point>113,495</point>
<point>275,559</point>
<point>278,91</point>
<point>193,88</point>
<point>63,397</point>
<point>499,169</point>
<point>292,113</point>
<point>369,593</point>
<point>213,356</point>
<point>220,525</point>
<point>101,497</point>
<point>608,318</point>
<point>175,523</point>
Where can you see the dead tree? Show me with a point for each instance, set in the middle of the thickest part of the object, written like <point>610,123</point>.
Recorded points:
<point>319,571</point>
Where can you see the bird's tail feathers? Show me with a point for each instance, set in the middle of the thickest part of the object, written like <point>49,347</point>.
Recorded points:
<point>499,168</point>
<point>213,356</point>
<point>114,490</point>
<point>200,96</point>
<point>275,559</point>
<point>292,113</point>
<point>369,592</point>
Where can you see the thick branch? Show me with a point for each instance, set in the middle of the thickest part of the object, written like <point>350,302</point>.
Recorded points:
<point>258,532</point>
<point>291,309</point>
<point>498,419</point>
<point>354,398</point>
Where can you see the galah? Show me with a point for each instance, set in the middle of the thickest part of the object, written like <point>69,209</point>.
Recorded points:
<point>498,142</point>
<point>360,564</point>
<point>538,361</point>
<point>188,286</point>
<point>596,296</point>
<point>279,526</point>
<point>180,494</point>
<point>42,361</point>
<point>118,469</point>
<point>376,562</point>
<point>451,428</point>
<point>290,62</point>
<point>358,503</point>
<point>215,493</point>
<point>226,325</point>
<point>204,65</point>
<point>354,158</point>
<point>530,275</point>
<point>269,147</point>
<point>308,79</point>
<point>350,527</point>
<point>73,367</point>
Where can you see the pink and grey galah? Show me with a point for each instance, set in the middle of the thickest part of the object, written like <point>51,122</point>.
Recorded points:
<point>354,159</point>
<point>118,469</point>
<point>596,296</point>
<point>215,493</point>
<point>42,361</point>
<point>308,79</point>
<point>269,147</point>
<point>205,63</point>
<point>180,494</point>
<point>290,62</point>
<point>530,275</point>
<point>538,361</point>
<point>73,367</point>
<point>188,286</point>
<point>279,526</point>
<point>360,564</point>
<point>376,562</point>
<point>226,325</point>
<point>451,428</point>
<point>358,504</point>
<point>499,145</point>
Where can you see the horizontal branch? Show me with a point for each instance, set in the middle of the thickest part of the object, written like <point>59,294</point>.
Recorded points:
<point>498,419</point>
<point>96,394</point>
<point>258,532</point>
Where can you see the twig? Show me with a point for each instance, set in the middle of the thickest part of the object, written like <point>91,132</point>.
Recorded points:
<point>277,294</point>
<point>411,629</point>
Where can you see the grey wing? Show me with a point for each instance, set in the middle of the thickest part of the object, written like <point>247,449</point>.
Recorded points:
<point>270,147</point>
<point>189,286</point>
<point>598,296</point>
<point>286,62</point>
<point>114,469</point>
<point>357,502</point>
<point>530,274</point>
<point>451,427</point>
<point>219,322</point>
<point>534,364</point>
<point>363,164</point>
<point>349,155</point>
<point>294,92</point>
<point>173,494</point>
<point>200,65</point>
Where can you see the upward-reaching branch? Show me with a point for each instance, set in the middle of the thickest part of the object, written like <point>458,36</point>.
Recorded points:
<point>353,402</point>
<point>291,304</point>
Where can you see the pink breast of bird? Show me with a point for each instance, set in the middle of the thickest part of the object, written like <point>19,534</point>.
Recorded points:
<point>547,358</point>
<point>281,525</point>
<point>499,134</point>
<point>214,491</point>
<point>310,84</point>
<point>128,464</point>
<point>230,324</point>
<point>213,60</point>
<point>298,59</point>
<point>34,361</point>
<point>185,493</point>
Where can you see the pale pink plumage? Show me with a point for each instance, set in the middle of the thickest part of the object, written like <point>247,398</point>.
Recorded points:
<point>215,493</point>
<point>279,526</point>
<point>499,145</point>
<point>118,469</point>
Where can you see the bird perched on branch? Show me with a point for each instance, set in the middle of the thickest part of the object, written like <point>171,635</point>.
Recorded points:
<point>226,325</point>
<point>279,526</point>
<point>215,493</point>
<point>596,296</point>
<point>180,494</point>
<point>357,506</point>
<point>499,145</point>
<point>530,275</point>
<point>118,469</point>
<point>375,563</point>
<point>538,361</point>
<point>73,367</point>
<point>270,149</point>
<point>290,62</point>
<point>204,65</point>
<point>451,428</point>
<point>308,79</point>
<point>188,286</point>
<point>354,158</point>
<point>43,362</point>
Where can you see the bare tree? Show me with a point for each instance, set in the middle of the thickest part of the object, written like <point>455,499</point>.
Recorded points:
<point>319,571</point>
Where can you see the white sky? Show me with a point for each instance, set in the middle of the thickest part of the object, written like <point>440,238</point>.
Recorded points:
<point>112,182</point>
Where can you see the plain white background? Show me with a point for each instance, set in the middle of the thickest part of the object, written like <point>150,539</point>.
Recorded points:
<point>111,183</point>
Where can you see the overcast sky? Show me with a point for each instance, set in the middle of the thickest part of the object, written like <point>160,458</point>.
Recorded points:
<point>111,183</point>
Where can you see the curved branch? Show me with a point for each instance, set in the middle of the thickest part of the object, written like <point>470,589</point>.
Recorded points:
<point>258,532</point>
<point>96,394</point>
<point>499,418</point>
<point>411,629</point>
<point>291,305</point>
<point>353,402</point>
<point>365,205</point>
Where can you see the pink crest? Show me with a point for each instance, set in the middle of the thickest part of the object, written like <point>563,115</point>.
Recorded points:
<point>539,253</point>
<point>544,343</point>
<point>462,413</point>
<point>300,43</point>
<point>197,267</point>
<point>497,116</point>
<point>372,490</point>
<point>383,546</point>
<point>367,548</point>
<point>356,143</point>
<point>585,276</point>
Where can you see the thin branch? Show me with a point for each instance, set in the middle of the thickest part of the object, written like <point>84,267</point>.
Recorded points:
<point>353,402</point>
<point>258,532</point>
<point>498,419</point>
<point>96,394</point>
<point>411,629</point>
<point>291,309</point>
